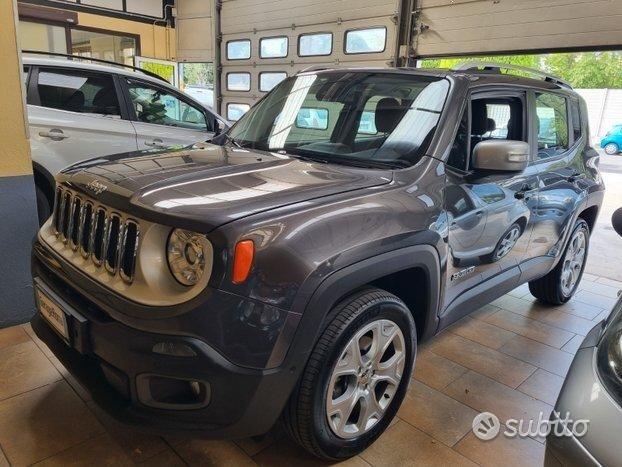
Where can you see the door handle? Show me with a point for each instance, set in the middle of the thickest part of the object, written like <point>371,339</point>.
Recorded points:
<point>155,143</point>
<point>54,134</point>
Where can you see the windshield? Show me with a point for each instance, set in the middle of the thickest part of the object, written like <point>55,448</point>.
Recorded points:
<point>374,119</point>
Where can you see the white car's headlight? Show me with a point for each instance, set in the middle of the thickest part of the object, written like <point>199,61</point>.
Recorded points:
<point>189,255</point>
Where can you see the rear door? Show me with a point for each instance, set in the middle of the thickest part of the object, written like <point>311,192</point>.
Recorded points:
<point>74,115</point>
<point>163,117</point>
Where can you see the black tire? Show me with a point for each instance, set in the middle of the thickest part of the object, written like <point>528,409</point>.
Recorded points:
<point>44,206</point>
<point>492,257</point>
<point>548,289</point>
<point>305,418</point>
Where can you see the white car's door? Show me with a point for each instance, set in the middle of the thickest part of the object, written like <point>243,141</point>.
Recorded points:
<point>163,117</point>
<point>75,115</point>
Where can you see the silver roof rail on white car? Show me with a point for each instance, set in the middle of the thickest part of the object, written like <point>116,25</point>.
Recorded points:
<point>492,67</point>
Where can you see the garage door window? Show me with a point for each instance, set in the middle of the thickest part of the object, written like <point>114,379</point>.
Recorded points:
<point>552,113</point>
<point>76,91</point>
<point>235,111</point>
<point>268,80</point>
<point>239,50</point>
<point>310,45</point>
<point>273,47</point>
<point>238,81</point>
<point>365,41</point>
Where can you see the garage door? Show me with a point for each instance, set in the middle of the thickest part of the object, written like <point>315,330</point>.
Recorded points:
<point>194,25</point>
<point>264,41</point>
<point>460,27</point>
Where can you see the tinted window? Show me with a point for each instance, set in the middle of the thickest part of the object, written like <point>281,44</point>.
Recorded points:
<point>364,41</point>
<point>239,50</point>
<point>576,118</point>
<point>273,47</point>
<point>552,115</point>
<point>267,80</point>
<point>315,44</point>
<point>458,156</point>
<point>312,118</point>
<point>77,91</point>
<point>158,106</point>
<point>235,111</point>
<point>239,81</point>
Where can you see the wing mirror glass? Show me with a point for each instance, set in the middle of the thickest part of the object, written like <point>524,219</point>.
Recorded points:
<point>616,221</point>
<point>501,155</point>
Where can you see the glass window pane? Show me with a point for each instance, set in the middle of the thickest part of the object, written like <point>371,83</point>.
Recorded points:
<point>157,106</point>
<point>315,44</point>
<point>198,81</point>
<point>43,37</point>
<point>576,119</point>
<point>273,47</point>
<point>552,116</point>
<point>120,49</point>
<point>364,41</point>
<point>77,91</point>
<point>235,111</point>
<point>238,81</point>
<point>145,7</point>
<point>312,118</point>
<point>112,4</point>
<point>268,80</point>
<point>239,50</point>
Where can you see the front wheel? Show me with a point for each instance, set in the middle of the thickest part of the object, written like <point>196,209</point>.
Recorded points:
<point>559,285</point>
<point>356,377</point>
<point>612,149</point>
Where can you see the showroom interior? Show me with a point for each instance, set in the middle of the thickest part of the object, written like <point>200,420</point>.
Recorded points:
<point>155,146</point>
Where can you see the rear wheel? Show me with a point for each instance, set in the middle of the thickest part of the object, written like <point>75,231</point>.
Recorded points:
<point>612,149</point>
<point>559,285</point>
<point>356,377</point>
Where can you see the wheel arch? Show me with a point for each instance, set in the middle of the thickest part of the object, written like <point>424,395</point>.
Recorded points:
<point>44,180</point>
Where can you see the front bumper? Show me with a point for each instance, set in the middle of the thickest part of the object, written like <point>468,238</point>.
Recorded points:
<point>110,358</point>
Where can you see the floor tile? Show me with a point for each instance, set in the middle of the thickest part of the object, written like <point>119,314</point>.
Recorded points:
<point>487,395</point>
<point>436,371</point>
<point>483,312</point>
<point>3,460</point>
<point>591,298</point>
<point>13,335</point>
<point>580,309</point>
<point>484,360</point>
<point>286,453</point>
<point>255,446</point>
<point>543,385</point>
<point>27,422</point>
<point>23,367</point>
<point>600,289</point>
<point>558,318</point>
<point>604,315</point>
<point>168,458</point>
<point>482,332</point>
<point>543,356</point>
<point>422,449</point>
<point>609,282</point>
<point>436,414</point>
<point>531,328</point>
<point>573,344</point>
<point>212,452</point>
<point>590,277</point>
<point>520,291</point>
<point>511,452</point>
<point>100,451</point>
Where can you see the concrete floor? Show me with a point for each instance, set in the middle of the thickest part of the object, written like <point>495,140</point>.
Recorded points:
<point>508,358</point>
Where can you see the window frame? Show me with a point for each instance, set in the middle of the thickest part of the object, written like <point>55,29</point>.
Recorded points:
<point>332,42</point>
<point>536,130</point>
<point>210,118</point>
<point>345,40</point>
<point>234,103</point>
<point>270,72</point>
<point>250,50</point>
<point>250,81</point>
<point>281,36</point>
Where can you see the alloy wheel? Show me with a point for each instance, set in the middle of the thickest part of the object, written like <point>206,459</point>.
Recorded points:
<point>508,242</point>
<point>611,149</point>
<point>573,262</point>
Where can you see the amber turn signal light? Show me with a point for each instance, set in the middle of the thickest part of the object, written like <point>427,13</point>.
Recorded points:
<point>243,260</point>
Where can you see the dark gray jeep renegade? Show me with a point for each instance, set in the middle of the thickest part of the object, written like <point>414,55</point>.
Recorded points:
<point>287,269</point>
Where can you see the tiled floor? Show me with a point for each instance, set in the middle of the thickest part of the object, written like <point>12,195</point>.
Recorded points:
<point>508,358</point>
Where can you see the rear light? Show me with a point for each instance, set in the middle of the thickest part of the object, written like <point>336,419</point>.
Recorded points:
<point>243,260</point>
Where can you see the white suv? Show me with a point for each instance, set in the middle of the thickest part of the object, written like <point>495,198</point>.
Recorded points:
<point>79,110</point>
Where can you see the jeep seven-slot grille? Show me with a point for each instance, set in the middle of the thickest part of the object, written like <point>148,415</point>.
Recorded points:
<point>97,233</point>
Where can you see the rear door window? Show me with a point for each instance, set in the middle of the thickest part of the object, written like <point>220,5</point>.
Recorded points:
<point>552,123</point>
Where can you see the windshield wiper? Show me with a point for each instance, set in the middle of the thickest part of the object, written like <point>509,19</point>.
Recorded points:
<point>232,140</point>
<point>351,161</point>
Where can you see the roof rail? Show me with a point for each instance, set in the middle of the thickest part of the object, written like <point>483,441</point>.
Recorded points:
<point>497,67</point>
<point>313,68</point>
<point>96,60</point>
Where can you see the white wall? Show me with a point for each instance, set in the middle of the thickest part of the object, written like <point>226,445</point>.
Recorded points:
<point>604,110</point>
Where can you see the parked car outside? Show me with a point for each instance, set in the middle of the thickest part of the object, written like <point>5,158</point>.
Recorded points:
<point>612,142</point>
<point>289,271</point>
<point>79,110</point>
<point>592,392</point>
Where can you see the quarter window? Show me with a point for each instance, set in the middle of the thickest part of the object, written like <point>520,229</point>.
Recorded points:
<point>158,106</point>
<point>365,41</point>
<point>312,118</point>
<point>315,44</point>
<point>235,111</point>
<point>576,118</point>
<point>239,81</point>
<point>268,80</point>
<point>273,47</point>
<point>552,114</point>
<point>77,91</point>
<point>239,50</point>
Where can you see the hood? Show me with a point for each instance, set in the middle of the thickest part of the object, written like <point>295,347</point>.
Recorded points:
<point>207,185</point>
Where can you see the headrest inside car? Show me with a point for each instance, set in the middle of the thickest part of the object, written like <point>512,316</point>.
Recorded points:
<point>389,112</point>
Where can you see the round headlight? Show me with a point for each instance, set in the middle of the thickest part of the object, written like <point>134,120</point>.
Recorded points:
<point>187,254</point>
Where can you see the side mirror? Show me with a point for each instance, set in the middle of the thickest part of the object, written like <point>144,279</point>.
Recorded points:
<point>501,155</point>
<point>616,221</point>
